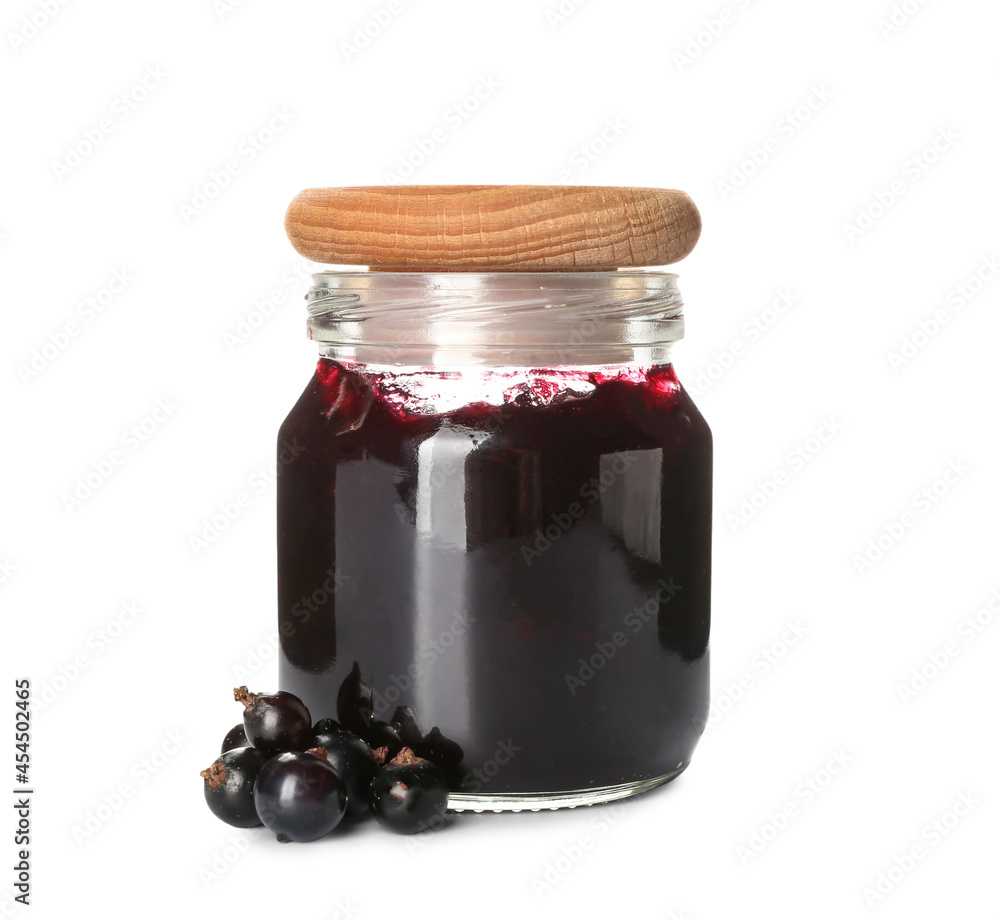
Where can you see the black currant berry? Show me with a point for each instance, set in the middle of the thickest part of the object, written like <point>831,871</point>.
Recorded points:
<point>355,764</point>
<point>381,734</point>
<point>444,753</point>
<point>354,702</point>
<point>405,724</point>
<point>409,794</point>
<point>235,738</point>
<point>299,795</point>
<point>229,785</point>
<point>275,722</point>
<point>323,731</point>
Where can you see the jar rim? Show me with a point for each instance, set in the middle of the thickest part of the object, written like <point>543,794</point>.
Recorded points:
<point>347,272</point>
<point>495,317</point>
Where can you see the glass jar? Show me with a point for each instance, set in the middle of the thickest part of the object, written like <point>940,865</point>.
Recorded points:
<point>494,529</point>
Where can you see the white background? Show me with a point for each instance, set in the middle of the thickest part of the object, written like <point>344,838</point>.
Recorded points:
<point>703,96</point>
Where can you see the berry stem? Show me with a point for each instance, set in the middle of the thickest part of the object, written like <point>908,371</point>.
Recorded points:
<point>244,696</point>
<point>406,758</point>
<point>215,775</point>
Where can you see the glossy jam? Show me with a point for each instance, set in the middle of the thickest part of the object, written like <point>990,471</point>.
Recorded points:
<point>522,558</point>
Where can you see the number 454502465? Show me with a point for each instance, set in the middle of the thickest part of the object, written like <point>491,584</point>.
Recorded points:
<point>22,729</point>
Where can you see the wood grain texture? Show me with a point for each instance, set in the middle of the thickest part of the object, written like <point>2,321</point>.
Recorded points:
<point>493,227</point>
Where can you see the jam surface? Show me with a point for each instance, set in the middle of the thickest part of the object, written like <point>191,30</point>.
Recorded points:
<point>522,557</point>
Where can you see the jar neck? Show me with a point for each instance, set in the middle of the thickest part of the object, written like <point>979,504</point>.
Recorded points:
<point>512,319</point>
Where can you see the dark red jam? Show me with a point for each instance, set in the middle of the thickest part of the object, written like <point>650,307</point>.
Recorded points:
<point>526,568</point>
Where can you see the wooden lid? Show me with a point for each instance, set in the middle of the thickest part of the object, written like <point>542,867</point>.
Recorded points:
<point>442,228</point>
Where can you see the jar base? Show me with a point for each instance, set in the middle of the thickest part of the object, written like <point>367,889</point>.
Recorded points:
<point>551,801</point>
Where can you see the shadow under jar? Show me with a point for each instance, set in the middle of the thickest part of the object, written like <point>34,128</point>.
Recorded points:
<point>494,507</point>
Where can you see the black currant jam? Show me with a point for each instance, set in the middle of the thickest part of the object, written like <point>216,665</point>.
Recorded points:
<point>519,554</point>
